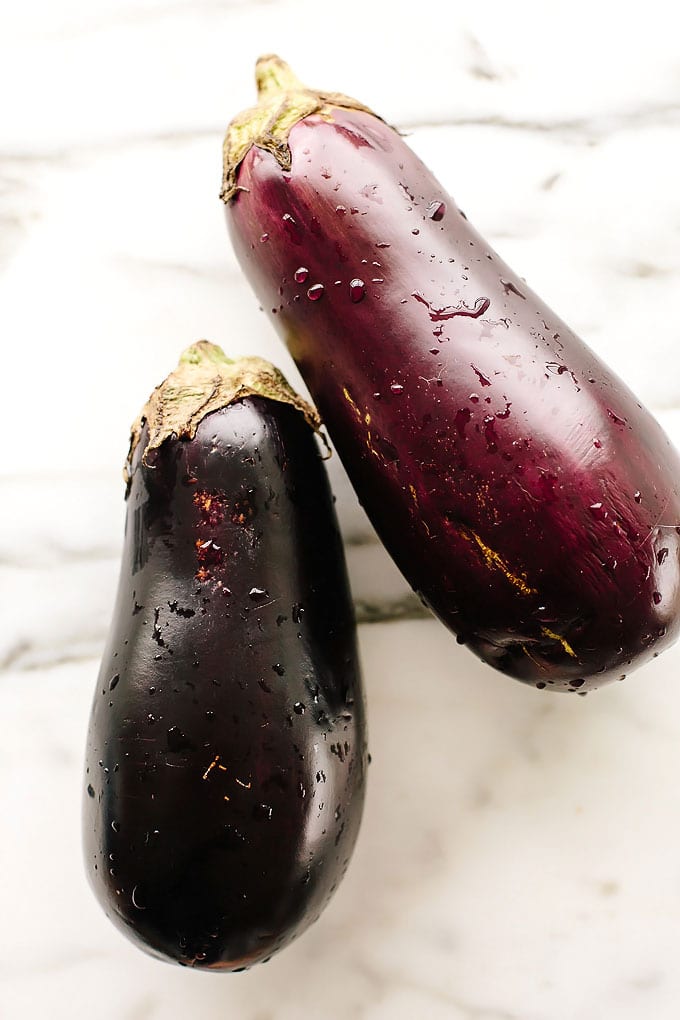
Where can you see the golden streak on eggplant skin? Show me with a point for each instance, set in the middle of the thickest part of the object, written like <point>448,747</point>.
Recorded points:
<point>226,752</point>
<point>489,417</point>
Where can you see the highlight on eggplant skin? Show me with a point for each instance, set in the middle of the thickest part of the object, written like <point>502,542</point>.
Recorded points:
<point>226,752</point>
<point>519,485</point>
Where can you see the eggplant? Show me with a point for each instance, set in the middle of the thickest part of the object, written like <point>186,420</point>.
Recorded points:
<point>518,484</point>
<point>226,753</point>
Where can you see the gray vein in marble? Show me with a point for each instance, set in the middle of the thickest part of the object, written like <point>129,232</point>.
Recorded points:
<point>18,210</point>
<point>56,555</point>
<point>383,980</point>
<point>19,657</point>
<point>54,964</point>
<point>221,274</point>
<point>131,16</point>
<point>143,1008</point>
<point>408,607</point>
<point>27,656</point>
<point>584,129</point>
<point>10,159</point>
<point>481,65</point>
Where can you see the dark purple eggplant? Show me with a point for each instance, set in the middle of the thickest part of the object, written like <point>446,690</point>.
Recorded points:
<point>226,754</point>
<point>519,485</point>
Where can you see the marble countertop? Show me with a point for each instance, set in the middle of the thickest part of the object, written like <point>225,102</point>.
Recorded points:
<point>520,852</point>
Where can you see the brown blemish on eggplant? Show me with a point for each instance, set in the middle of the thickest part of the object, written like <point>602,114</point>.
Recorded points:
<point>494,559</point>
<point>563,641</point>
<point>535,661</point>
<point>348,397</point>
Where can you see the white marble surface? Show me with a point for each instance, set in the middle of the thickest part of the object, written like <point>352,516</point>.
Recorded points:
<point>520,854</point>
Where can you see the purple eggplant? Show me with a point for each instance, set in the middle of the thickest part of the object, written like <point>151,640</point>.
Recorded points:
<point>519,485</point>
<point>226,754</point>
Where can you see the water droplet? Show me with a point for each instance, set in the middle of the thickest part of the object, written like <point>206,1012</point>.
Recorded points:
<point>90,790</point>
<point>341,210</point>
<point>656,596</point>
<point>474,398</point>
<point>292,228</point>
<point>480,375</point>
<point>279,669</point>
<point>637,496</point>
<point>415,231</point>
<point>597,444</point>
<point>113,681</point>
<point>598,511</point>
<point>299,708</point>
<point>208,553</point>
<point>263,811</point>
<point>490,433</point>
<point>300,275</point>
<point>436,211</point>
<point>546,486</point>
<point>387,449</point>
<point>510,288</point>
<point>137,899</point>
<point>382,244</point>
<point>480,306</point>
<point>661,555</point>
<point>115,826</point>
<point>297,612</point>
<point>461,419</point>
<point>396,388</point>
<point>177,740</point>
<point>263,240</point>
<point>357,290</point>
<point>315,292</point>
<point>257,594</point>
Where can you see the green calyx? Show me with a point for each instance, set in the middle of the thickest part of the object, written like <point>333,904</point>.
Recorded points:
<point>204,381</point>
<point>283,101</point>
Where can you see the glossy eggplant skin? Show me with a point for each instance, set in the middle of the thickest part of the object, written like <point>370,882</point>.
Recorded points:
<point>519,485</point>
<point>226,753</point>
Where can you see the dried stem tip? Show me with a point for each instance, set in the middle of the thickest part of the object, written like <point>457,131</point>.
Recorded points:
<point>283,101</point>
<point>204,381</point>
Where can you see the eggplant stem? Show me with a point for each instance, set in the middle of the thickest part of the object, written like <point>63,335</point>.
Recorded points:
<point>273,76</point>
<point>283,101</point>
<point>204,351</point>
<point>204,381</point>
